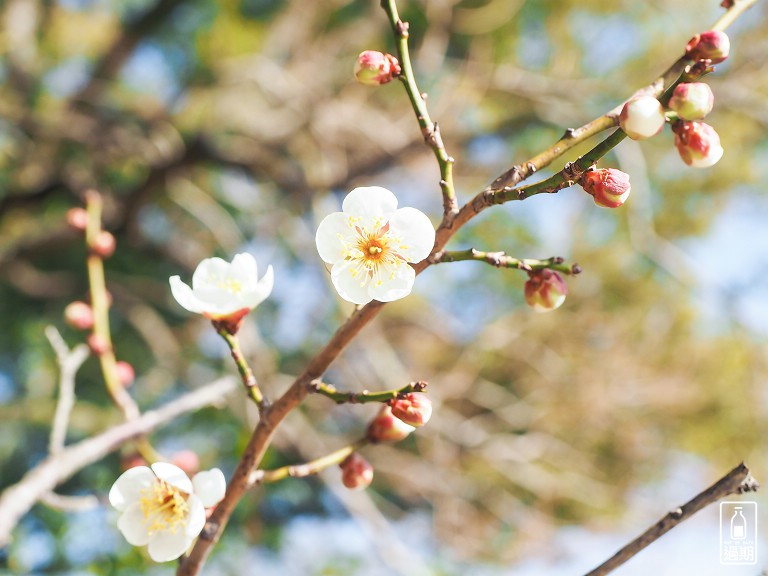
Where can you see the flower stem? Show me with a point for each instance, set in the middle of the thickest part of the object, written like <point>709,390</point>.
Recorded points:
<point>429,129</point>
<point>329,391</point>
<point>248,378</point>
<point>501,260</point>
<point>101,329</point>
<point>308,468</point>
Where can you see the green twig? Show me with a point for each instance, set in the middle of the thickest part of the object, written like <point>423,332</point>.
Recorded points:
<point>246,374</point>
<point>330,391</point>
<point>308,468</point>
<point>429,129</point>
<point>501,260</point>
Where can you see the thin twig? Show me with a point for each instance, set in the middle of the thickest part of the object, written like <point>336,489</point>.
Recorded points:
<point>69,362</point>
<point>736,481</point>
<point>365,396</point>
<point>501,260</point>
<point>246,374</point>
<point>16,500</point>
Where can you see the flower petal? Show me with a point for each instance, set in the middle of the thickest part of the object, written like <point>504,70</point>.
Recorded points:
<point>371,201</point>
<point>209,273</point>
<point>195,517</point>
<point>352,287</point>
<point>165,545</point>
<point>127,488</point>
<point>416,232</point>
<point>244,269</point>
<point>184,295</point>
<point>260,291</point>
<point>210,486</point>
<point>173,475</point>
<point>331,235</point>
<point>133,525</point>
<point>397,282</point>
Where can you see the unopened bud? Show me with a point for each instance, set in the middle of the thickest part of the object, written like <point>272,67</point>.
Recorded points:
<point>692,101</point>
<point>356,472</point>
<point>545,290</point>
<point>712,45</point>
<point>125,373</point>
<point>698,144</point>
<point>97,344</point>
<point>414,409</point>
<point>188,461</point>
<point>374,68</point>
<point>609,187</point>
<point>131,461</point>
<point>104,244</point>
<point>77,218</point>
<point>642,117</point>
<point>386,428</point>
<point>79,315</point>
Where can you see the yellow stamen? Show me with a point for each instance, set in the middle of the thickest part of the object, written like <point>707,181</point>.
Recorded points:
<point>164,507</point>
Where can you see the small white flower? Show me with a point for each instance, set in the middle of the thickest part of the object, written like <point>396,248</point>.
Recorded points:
<point>162,508</point>
<point>371,243</point>
<point>221,290</point>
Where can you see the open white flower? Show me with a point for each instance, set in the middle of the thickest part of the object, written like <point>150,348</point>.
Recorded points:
<point>371,243</point>
<point>222,290</point>
<point>162,508</point>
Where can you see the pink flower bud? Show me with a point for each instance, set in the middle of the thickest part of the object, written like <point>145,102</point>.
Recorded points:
<point>712,45</point>
<point>642,117</point>
<point>77,218</point>
<point>125,373</point>
<point>414,409</point>
<point>131,461</point>
<point>692,101</point>
<point>609,187</point>
<point>79,315</point>
<point>386,428</point>
<point>374,68</point>
<point>698,144</point>
<point>545,290</point>
<point>104,245</point>
<point>356,472</point>
<point>188,461</point>
<point>97,344</point>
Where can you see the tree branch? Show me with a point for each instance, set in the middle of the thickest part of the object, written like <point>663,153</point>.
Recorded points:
<point>737,481</point>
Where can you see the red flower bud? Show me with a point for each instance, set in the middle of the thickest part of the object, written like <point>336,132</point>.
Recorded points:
<point>104,245</point>
<point>642,117</point>
<point>188,461</point>
<point>609,187</point>
<point>692,101</point>
<point>698,143</point>
<point>97,344</point>
<point>386,428</point>
<point>712,45</point>
<point>125,373</point>
<point>545,290</point>
<point>374,68</point>
<point>79,315</point>
<point>77,218</point>
<point>356,472</point>
<point>414,409</point>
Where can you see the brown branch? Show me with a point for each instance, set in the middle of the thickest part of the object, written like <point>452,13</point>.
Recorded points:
<point>737,481</point>
<point>16,500</point>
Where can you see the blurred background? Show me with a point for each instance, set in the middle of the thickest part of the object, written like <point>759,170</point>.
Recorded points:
<point>219,126</point>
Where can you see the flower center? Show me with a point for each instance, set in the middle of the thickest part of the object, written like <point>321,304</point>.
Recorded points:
<point>374,248</point>
<point>164,506</point>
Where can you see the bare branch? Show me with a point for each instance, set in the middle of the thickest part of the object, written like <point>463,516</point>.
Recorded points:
<point>736,481</point>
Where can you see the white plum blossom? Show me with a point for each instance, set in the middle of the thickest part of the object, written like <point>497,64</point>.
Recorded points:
<point>163,509</point>
<point>223,290</point>
<point>371,243</point>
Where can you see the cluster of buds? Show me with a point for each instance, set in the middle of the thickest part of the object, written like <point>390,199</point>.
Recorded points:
<point>78,314</point>
<point>698,143</point>
<point>376,68</point>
